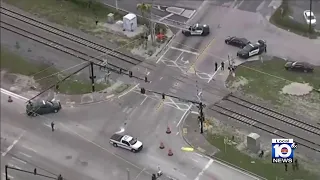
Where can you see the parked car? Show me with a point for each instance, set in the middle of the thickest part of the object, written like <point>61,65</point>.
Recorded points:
<point>42,107</point>
<point>126,142</point>
<point>237,42</point>
<point>298,66</point>
<point>309,17</point>
<point>252,49</point>
<point>197,30</point>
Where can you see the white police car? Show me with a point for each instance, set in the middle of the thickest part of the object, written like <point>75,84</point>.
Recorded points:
<point>252,49</point>
<point>197,30</point>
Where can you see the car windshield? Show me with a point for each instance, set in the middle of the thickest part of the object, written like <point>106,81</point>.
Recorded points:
<point>50,103</point>
<point>133,141</point>
<point>247,48</point>
<point>312,17</point>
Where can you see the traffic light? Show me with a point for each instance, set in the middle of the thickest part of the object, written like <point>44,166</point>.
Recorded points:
<point>120,71</point>
<point>57,86</point>
<point>163,96</point>
<point>130,73</point>
<point>145,79</point>
<point>35,171</point>
<point>154,177</point>
<point>143,91</point>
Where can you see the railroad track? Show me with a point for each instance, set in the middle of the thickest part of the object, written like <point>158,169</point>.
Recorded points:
<point>245,119</point>
<point>72,37</point>
<point>314,129</point>
<point>63,48</point>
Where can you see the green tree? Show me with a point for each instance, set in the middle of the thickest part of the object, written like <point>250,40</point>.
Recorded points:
<point>145,10</point>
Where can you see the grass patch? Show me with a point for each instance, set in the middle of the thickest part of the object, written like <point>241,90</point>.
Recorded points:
<point>261,167</point>
<point>13,63</point>
<point>121,88</point>
<point>262,78</point>
<point>281,18</point>
<point>78,14</point>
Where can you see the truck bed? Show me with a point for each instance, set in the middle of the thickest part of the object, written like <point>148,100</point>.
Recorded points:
<point>116,137</point>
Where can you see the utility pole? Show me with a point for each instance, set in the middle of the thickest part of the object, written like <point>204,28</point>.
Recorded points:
<point>6,171</point>
<point>92,77</point>
<point>310,17</point>
<point>201,117</point>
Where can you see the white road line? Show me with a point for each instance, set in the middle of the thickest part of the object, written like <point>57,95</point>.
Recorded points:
<point>214,74</point>
<point>184,50</point>
<point>129,91</point>
<point>275,131</point>
<point>25,154</point>
<point>139,173</point>
<point>48,125</point>
<point>12,145</point>
<point>11,177</point>
<point>177,133</point>
<point>194,112</point>
<point>17,96</point>
<point>204,169</point>
<point>195,160</point>
<point>165,52</point>
<point>17,167</point>
<point>144,100</point>
<point>199,154</point>
<point>179,57</point>
<point>29,148</point>
<point>19,160</point>
<point>184,115</point>
<point>165,17</point>
<point>161,78</point>
<point>125,109</point>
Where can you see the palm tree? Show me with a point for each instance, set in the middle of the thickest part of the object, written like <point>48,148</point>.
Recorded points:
<point>145,10</point>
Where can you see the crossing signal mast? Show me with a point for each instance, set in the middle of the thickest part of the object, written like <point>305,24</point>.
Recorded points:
<point>199,104</point>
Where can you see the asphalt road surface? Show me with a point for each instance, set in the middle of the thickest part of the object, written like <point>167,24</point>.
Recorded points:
<point>79,147</point>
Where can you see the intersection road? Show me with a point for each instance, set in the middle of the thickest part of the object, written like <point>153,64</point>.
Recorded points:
<point>79,147</point>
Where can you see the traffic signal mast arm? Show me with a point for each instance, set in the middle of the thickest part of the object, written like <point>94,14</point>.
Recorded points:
<point>201,116</point>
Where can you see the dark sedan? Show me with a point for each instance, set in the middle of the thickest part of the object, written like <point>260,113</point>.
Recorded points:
<point>237,42</point>
<point>299,66</point>
<point>42,107</point>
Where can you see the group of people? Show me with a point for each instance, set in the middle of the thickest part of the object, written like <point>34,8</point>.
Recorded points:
<point>231,67</point>
<point>295,165</point>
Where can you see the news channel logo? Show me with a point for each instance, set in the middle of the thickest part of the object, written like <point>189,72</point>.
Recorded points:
<point>282,150</point>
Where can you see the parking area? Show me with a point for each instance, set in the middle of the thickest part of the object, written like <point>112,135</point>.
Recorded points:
<point>298,7</point>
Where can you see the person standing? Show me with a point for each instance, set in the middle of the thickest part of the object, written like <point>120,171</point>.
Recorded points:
<point>52,126</point>
<point>216,66</point>
<point>222,65</point>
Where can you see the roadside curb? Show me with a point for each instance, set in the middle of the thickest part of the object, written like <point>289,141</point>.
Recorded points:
<point>215,158</point>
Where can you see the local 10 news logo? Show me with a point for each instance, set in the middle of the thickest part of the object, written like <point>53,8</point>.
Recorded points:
<point>282,150</point>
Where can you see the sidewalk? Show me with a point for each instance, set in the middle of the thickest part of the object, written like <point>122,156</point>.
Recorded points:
<point>73,100</point>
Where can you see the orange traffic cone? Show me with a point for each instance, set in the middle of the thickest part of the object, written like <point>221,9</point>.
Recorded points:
<point>170,152</point>
<point>168,130</point>
<point>161,145</point>
<point>9,99</point>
